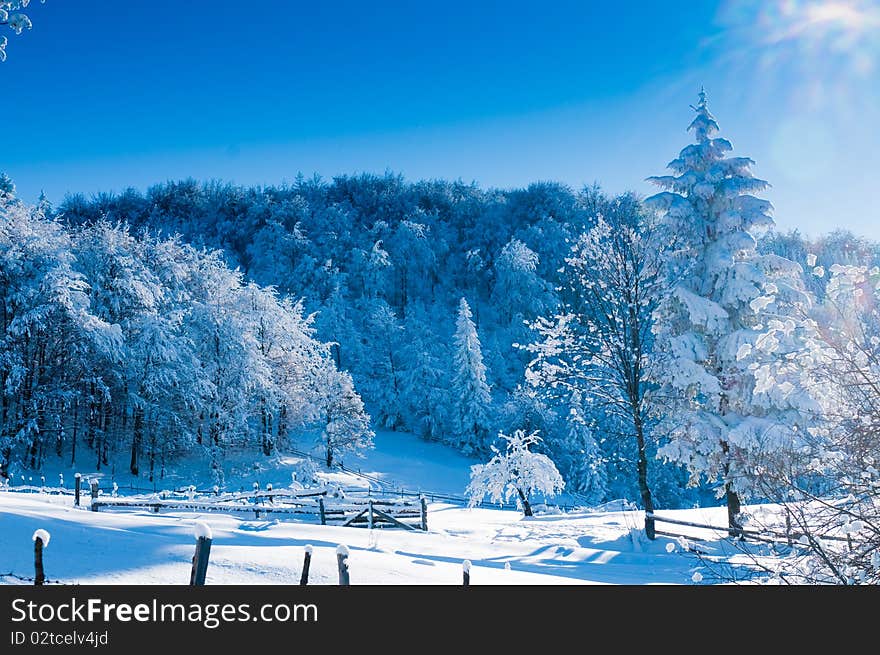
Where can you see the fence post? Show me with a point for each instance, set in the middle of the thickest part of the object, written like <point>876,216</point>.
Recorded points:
<point>93,484</point>
<point>307,561</point>
<point>203,537</point>
<point>423,507</point>
<point>41,540</point>
<point>370,514</point>
<point>321,510</point>
<point>342,564</point>
<point>466,572</point>
<point>77,483</point>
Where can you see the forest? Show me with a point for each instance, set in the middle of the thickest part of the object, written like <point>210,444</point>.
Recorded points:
<point>669,350</point>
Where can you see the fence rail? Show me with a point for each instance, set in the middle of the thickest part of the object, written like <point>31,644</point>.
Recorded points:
<point>402,513</point>
<point>763,536</point>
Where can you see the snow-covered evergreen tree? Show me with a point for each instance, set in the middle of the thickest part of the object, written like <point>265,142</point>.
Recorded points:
<point>709,327</point>
<point>424,374</point>
<point>470,391</point>
<point>7,187</point>
<point>585,469</point>
<point>517,473</point>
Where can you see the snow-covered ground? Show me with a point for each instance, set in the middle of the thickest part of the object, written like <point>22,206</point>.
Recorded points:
<point>585,546</point>
<point>138,547</point>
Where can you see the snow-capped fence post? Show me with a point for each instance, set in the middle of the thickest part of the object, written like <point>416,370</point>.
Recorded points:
<point>370,514</point>
<point>423,512</point>
<point>41,540</point>
<point>466,572</point>
<point>203,537</point>
<point>342,563</point>
<point>93,484</point>
<point>77,483</point>
<point>307,561</point>
<point>321,510</point>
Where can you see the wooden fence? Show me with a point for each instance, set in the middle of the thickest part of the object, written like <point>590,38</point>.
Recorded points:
<point>767,536</point>
<point>403,513</point>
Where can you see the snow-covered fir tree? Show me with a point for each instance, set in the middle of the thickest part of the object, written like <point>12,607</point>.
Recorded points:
<point>517,473</point>
<point>470,392</point>
<point>709,327</point>
<point>585,465</point>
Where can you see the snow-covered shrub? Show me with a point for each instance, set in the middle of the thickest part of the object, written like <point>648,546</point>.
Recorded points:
<point>516,474</point>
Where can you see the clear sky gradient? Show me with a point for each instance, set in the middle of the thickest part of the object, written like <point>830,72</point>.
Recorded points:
<point>104,94</point>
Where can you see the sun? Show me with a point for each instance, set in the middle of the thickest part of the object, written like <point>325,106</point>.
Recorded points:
<point>832,23</point>
<point>817,52</point>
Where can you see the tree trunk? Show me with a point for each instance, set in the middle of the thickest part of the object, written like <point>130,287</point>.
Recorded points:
<point>527,509</point>
<point>59,432</point>
<point>93,412</point>
<point>73,435</point>
<point>5,457</point>
<point>266,419</point>
<point>105,429</point>
<point>136,440</point>
<point>733,509</point>
<point>732,498</point>
<point>644,489</point>
<point>282,424</point>
<point>152,456</point>
<point>329,457</point>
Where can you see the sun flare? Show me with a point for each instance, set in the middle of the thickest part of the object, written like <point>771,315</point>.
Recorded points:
<point>821,20</point>
<point>816,52</point>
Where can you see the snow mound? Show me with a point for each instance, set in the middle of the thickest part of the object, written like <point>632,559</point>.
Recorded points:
<point>202,530</point>
<point>42,535</point>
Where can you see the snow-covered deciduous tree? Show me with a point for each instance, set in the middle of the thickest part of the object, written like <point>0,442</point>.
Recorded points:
<point>470,391</point>
<point>517,473</point>
<point>346,426</point>
<point>50,339</point>
<point>827,483</point>
<point>709,328</point>
<point>519,291</point>
<point>598,345</point>
<point>12,14</point>
<point>114,344</point>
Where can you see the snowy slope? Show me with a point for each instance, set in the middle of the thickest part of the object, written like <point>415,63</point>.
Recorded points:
<point>399,460</point>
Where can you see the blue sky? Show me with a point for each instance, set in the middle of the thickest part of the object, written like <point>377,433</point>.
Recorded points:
<point>103,94</point>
